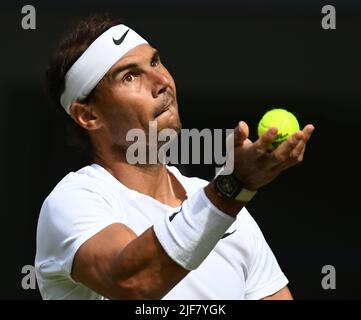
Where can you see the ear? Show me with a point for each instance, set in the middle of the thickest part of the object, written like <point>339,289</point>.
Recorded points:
<point>85,115</point>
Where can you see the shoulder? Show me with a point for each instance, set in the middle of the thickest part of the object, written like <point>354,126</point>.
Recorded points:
<point>87,178</point>
<point>76,209</point>
<point>78,195</point>
<point>73,186</point>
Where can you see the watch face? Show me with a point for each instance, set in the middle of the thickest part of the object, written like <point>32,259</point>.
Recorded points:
<point>228,186</point>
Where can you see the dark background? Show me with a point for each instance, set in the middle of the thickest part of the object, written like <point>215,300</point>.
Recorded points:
<point>231,60</point>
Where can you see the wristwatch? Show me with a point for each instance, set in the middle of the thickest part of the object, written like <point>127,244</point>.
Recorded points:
<point>230,187</point>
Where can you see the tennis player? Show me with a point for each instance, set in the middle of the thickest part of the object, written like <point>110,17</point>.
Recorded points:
<point>115,230</point>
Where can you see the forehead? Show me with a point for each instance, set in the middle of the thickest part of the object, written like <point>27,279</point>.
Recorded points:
<point>136,55</point>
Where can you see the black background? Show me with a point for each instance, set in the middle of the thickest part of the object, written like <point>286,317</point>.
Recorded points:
<point>232,60</point>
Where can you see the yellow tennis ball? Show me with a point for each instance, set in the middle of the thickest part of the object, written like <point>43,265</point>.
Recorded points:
<point>284,121</point>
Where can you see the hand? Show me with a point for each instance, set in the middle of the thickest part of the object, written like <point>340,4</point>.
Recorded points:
<point>255,166</point>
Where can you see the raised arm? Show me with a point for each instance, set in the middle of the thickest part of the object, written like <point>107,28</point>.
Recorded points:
<point>119,265</point>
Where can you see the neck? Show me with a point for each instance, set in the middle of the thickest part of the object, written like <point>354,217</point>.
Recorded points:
<point>153,180</point>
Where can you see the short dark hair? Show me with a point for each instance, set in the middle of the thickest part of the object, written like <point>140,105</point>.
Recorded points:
<point>70,48</point>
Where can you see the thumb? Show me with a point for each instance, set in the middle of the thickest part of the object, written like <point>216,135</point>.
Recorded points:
<point>241,133</point>
<point>238,136</point>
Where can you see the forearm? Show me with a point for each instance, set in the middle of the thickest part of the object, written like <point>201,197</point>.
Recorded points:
<point>143,270</point>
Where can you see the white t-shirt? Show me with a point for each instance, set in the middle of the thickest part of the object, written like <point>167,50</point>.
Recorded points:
<point>241,266</point>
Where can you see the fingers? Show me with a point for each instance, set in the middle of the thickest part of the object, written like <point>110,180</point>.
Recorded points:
<point>284,150</point>
<point>292,150</point>
<point>263,143</point>
<point>300,157</point>
<point>242,131</point>
<point>255,165</point>
<point>308,130</point>
<point>298,152</point>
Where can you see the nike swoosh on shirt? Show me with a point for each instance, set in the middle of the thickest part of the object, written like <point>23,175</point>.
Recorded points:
<point>121,39</point>
<point>228,234</point>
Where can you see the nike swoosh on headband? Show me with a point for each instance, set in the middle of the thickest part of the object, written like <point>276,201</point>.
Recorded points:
<point>121,39</point>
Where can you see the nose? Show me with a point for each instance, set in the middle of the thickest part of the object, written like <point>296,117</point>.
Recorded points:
<point>160,83</point>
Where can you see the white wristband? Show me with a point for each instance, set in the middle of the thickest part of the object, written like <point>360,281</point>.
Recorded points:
<point>191,234</point>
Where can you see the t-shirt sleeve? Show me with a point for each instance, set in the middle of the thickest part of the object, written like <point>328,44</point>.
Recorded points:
<point>264,276</point>
<point>68,218</point>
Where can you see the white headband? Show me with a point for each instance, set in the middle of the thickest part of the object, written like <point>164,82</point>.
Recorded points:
<point>96,61</point>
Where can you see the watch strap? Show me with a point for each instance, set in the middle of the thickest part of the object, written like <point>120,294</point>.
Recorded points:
<point>245,195</point>
<point>225,183</point>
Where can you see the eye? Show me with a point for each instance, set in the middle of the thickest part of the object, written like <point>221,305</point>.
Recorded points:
<point>155,61</point>
<point>129,77</point>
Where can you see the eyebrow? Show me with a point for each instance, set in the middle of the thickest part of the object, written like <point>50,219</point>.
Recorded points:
<point>131,65</point>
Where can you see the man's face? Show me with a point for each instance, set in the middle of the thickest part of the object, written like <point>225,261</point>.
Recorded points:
<point>136,90</point>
